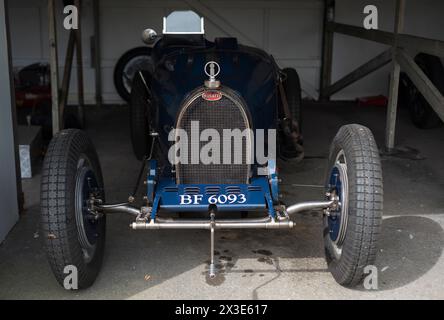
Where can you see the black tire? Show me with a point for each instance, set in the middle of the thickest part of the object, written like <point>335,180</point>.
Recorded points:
<point>405,91</point>
<point>351,235</point>
<point>127,66</point>
<point>71,160</point>
<point>42,116</point>
<point>421,113</point>
<point>71,118</point>
<point>292,87</point>
<point>141,113</point>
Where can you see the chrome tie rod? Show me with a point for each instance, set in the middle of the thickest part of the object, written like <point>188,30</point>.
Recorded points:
<point>280,222</point>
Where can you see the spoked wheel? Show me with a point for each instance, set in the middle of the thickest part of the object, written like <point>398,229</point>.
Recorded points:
<point>74,236</point>
<point>351,229</point>
<point>129,64</point>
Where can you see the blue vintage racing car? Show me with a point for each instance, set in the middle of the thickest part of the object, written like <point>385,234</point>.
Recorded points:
<point>209,119</point>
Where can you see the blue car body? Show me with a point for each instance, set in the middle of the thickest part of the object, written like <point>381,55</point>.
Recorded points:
<point>178,70</point>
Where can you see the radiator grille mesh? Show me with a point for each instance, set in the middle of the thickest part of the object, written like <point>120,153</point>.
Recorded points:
<point>217,115</point>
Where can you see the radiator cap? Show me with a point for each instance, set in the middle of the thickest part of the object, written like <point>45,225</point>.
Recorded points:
<point>212,70</point>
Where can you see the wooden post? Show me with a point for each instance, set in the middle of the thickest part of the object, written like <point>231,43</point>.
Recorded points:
<point>79,56</point>
<point>327,48</point>
<point>394,80</point>
<point>67,72</point>
<point>54,66</point>
<point>10,187</point>
<point>97,54</point>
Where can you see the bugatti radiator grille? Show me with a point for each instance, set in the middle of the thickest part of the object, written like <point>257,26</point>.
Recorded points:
<point>227,113</point>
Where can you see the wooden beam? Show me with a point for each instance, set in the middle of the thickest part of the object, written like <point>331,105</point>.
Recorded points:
<point>430,46</point>
<point>327,49</point>
<point>422,82</point>
<point>54,66</point>
<point>359,32</point>
<point>79,56</point>
<point>359,73</point>
<point>97,52</point>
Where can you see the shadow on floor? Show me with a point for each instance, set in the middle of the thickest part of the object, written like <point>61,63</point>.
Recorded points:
<point>410,247</point>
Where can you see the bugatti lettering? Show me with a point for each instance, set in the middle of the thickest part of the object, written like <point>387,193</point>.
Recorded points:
<point>211,95</point>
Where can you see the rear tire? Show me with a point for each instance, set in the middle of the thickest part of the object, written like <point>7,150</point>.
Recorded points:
<point>290,148</point>
<point>71,171</point>
<point>292,87</point>
<point>126,68</point>
<point>421,113</point>
<point>351,232</point>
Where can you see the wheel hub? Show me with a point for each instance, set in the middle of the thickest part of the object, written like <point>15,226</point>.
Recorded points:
<point>87,223</point>
<point>338,215</point>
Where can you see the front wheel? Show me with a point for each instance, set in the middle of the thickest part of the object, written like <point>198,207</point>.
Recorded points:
<point>352,229</point>
<point>74,237</point>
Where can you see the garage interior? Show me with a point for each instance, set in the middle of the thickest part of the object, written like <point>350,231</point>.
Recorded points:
<point>324,48</point>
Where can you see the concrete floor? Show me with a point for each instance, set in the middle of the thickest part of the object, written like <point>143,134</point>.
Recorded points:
<point>256,264</point>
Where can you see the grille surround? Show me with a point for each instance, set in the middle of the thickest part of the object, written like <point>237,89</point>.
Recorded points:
<point>230,112</point>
